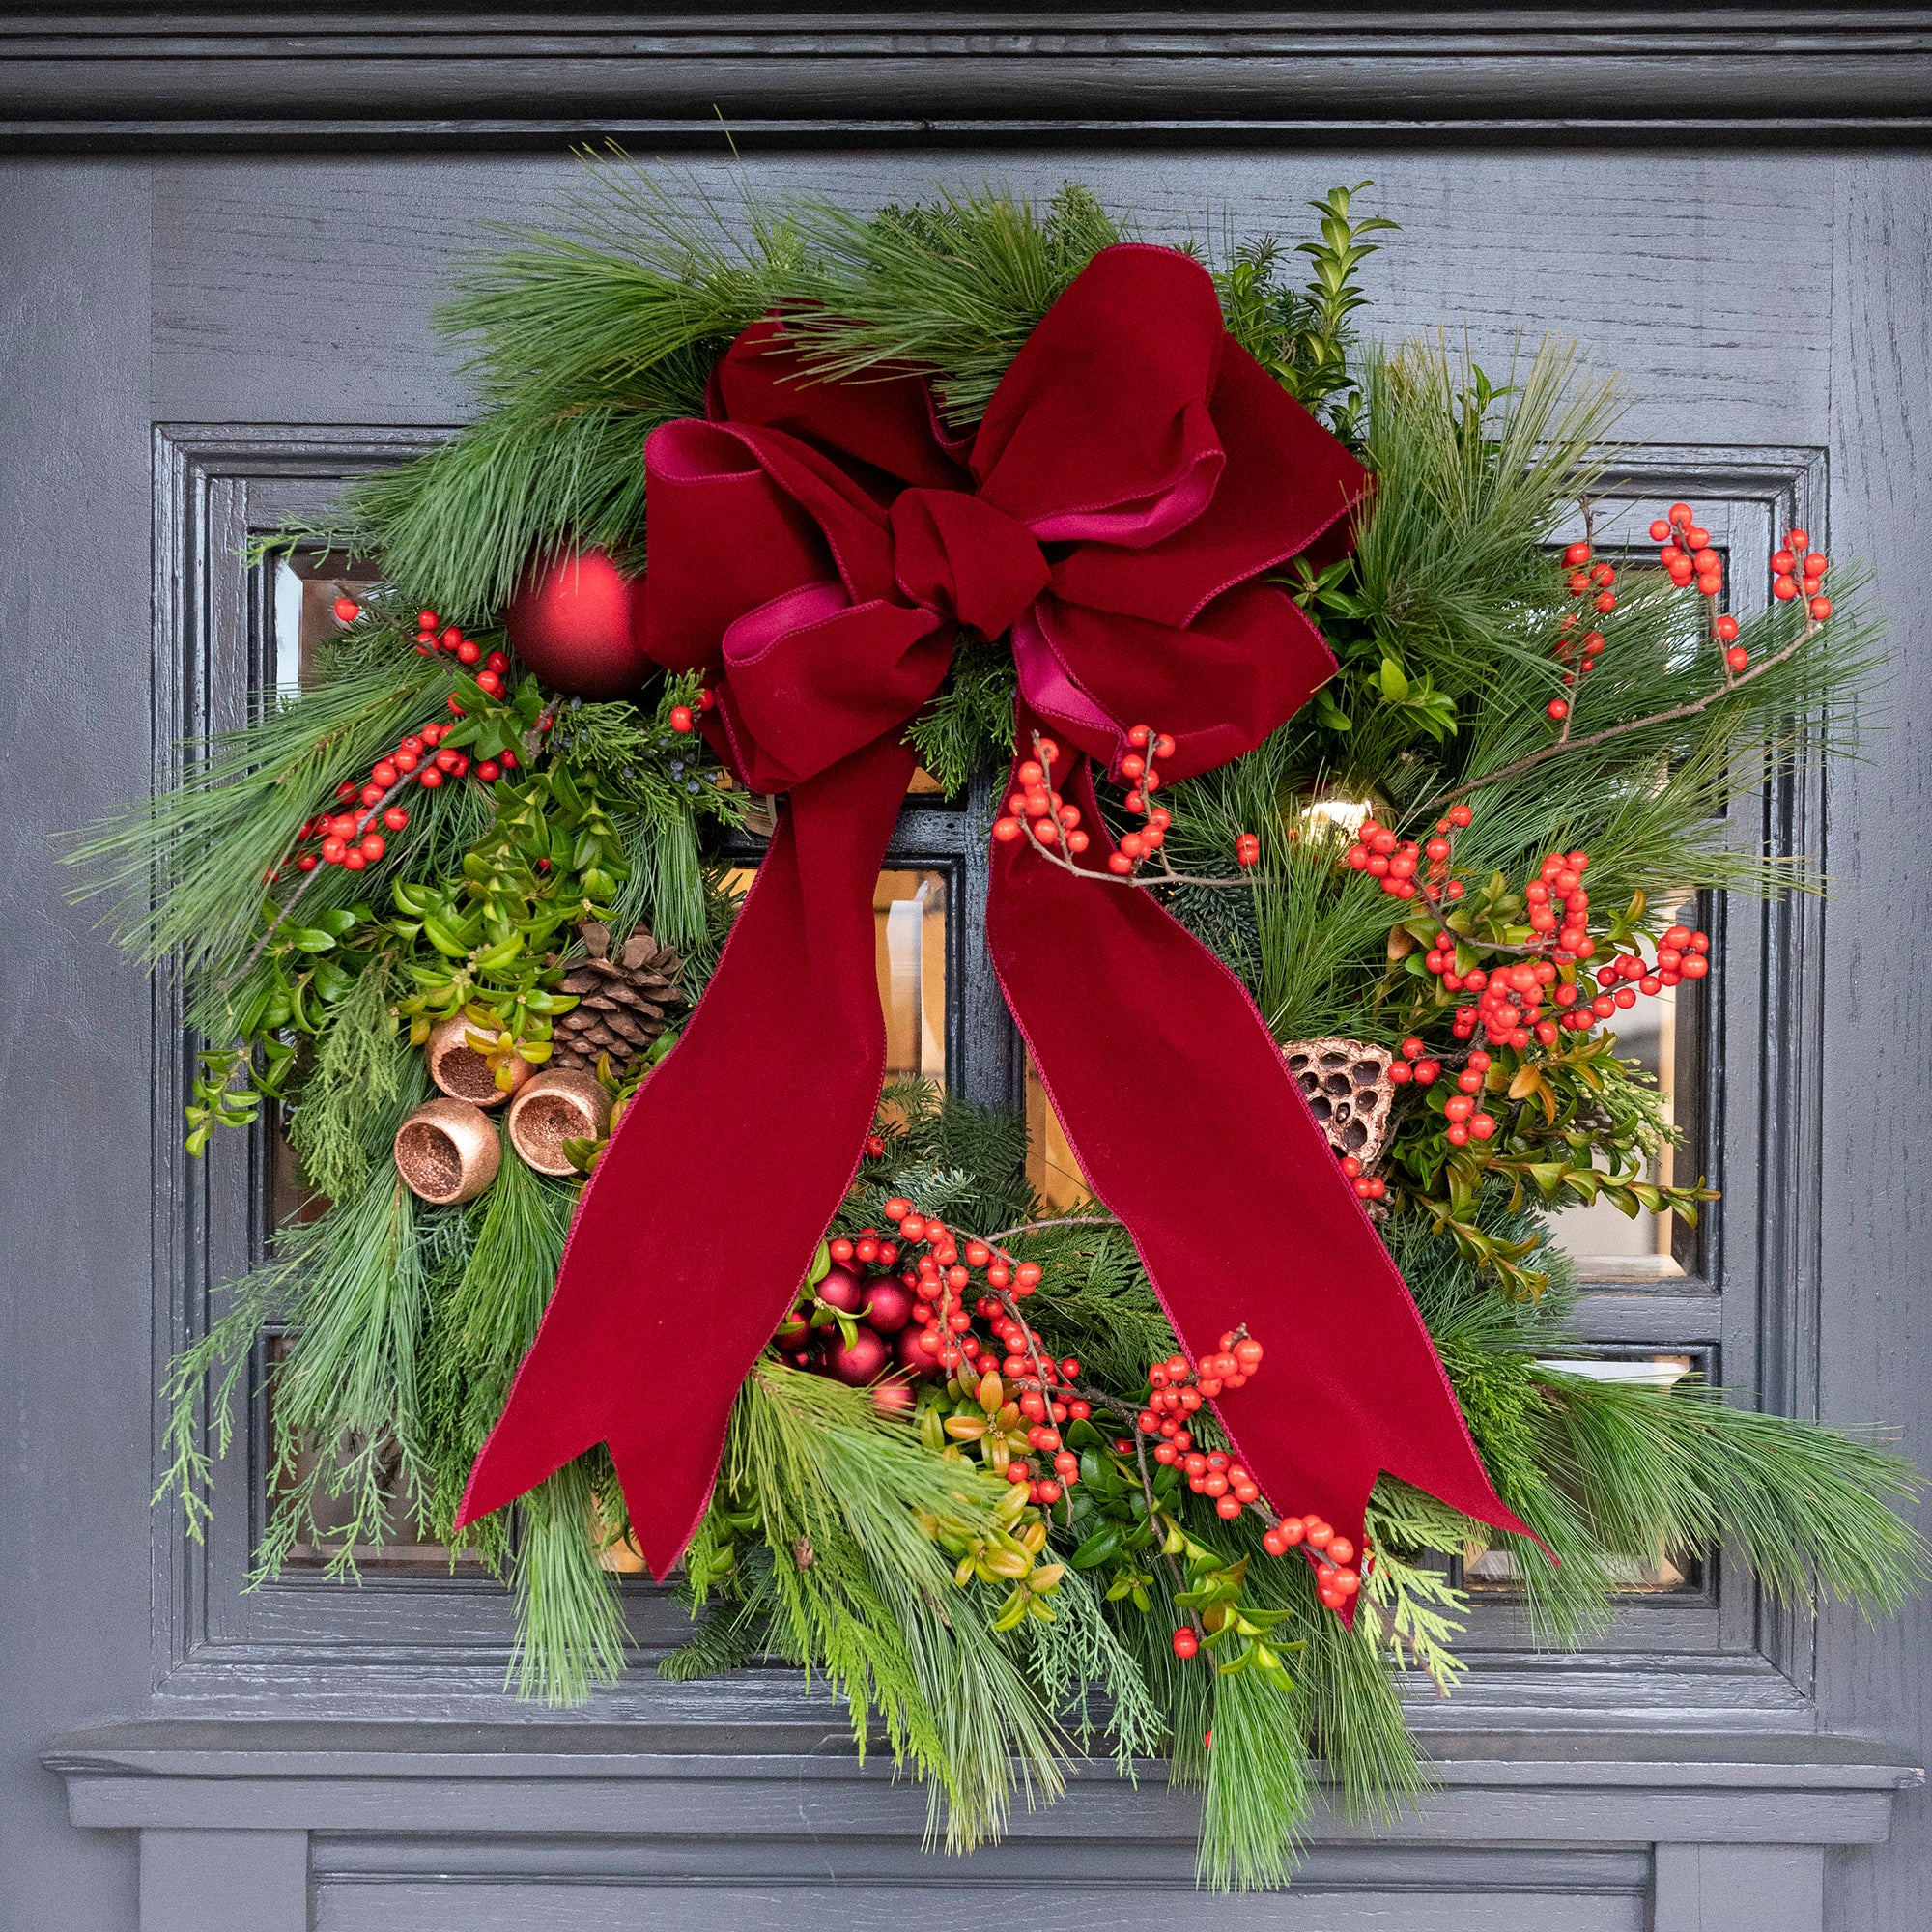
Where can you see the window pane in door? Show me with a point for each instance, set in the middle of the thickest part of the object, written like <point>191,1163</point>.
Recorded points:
<point>909,917</point>
<point>1664,1036</point>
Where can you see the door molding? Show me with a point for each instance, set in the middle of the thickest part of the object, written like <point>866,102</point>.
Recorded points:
<point>368,78</point>
<point>442,1827</point>
<point>407,1645</point>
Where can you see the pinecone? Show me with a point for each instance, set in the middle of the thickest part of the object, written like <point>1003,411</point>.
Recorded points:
<point>623,1003</point>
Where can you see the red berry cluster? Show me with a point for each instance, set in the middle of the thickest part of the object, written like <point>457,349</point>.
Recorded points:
<point>1687,556</point>
<point>1595,584</point>
<point>1177,1388</point>
<point>433,636</point>
<point>348,837</point>
<point>1594,588</point>
<point>1785,581</point>
<point>1037,811</point>
<point>1395,861</point>
<point>1414,1065</point>
<point>684,718</point>
<point>1681,955</point>
<point>1336,1580</point>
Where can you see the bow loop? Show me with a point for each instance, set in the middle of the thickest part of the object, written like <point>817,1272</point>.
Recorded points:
<point>1100,432</point>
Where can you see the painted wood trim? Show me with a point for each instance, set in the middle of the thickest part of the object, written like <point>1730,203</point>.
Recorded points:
<point>359,78</point>
<point>1570,1789</point>
<point>225,1881</point>
<point>1739,1889</point>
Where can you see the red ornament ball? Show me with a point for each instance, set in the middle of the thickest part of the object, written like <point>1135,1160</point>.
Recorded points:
<point>889,1304</point>
<point>864,1361</point>
<point>909,1351</point>
<point>843,1289</point>
<point>579,622</point>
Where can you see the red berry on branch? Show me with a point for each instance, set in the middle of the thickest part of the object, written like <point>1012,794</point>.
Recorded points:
<point>347,610</point>
<point>1660,531</point>
<point>1798,539</point>
<point>1820,608</point>
<point>1186,1642</point>
<point>1737,657</point>
<point>1559,708</point>
<point>680,718</point>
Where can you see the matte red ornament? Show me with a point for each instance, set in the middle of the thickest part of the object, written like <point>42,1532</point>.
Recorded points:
<point>579,622</point>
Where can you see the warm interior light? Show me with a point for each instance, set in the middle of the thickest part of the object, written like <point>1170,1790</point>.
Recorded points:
<point>1341,815</point>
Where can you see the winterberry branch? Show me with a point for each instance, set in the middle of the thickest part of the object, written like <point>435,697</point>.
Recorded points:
<point>1059,1221</point>
<point>1529,762</point>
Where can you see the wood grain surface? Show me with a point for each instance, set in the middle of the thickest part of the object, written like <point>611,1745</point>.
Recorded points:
<point>192,344</point>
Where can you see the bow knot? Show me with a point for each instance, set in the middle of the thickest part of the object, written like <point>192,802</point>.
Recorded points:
<point>958,555</point>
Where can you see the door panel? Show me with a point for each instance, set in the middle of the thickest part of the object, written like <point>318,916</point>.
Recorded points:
<point>1768,311</point>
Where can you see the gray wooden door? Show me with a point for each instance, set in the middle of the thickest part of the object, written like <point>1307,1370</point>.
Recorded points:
<point>221,245</point>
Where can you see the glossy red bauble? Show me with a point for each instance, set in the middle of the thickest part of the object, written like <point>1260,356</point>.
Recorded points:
<point>843,1290</point>
<point>579,623</point>
<point>889,1304</point>
<point>910,1354</point>
<point>864,1361</point>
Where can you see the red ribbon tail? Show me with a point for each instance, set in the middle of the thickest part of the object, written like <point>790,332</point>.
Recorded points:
<point>703,1214</point>
<point>1186,1123</point>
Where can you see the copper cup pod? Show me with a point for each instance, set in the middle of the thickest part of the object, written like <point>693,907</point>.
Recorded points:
<point>447,1152</point>
<point>462,1072</point>
<point>560,1105</point>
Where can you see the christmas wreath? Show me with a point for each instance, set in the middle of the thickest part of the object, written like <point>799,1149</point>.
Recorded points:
<point>1346,809</point>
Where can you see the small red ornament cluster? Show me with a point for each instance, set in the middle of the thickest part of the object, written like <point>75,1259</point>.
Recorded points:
<point>898,1327</point>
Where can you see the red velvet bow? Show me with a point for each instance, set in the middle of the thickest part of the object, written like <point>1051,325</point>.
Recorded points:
<point>815,549</point>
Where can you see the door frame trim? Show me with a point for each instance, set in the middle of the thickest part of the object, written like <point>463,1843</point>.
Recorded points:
<point>529,79</point>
